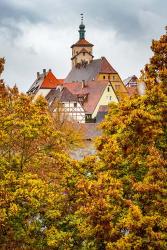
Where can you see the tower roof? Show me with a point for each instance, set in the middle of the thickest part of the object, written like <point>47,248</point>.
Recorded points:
<point>82,43</point>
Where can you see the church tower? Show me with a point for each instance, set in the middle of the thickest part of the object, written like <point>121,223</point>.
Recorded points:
<point>81,50</point>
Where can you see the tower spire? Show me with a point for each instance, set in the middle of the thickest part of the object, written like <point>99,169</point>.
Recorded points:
<point>82,28</point>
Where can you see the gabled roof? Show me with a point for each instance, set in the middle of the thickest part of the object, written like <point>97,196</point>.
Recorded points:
<point>106,67</point>
<point>90,71</point>
<point>93,90</point>
<point>61,81</point>
<point>61,94</point>
<point>130,79</point>
<point>44,81</point>
<point>82,43</point>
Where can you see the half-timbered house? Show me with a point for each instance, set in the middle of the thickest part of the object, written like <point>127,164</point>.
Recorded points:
<point>69,105</point>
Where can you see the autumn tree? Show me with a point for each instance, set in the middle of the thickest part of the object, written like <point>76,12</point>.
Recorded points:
<point>124,203</point>
<point>36,175</point>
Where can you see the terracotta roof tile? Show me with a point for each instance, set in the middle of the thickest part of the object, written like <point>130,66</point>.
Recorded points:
<point>62,94</point>
<point>82,43</point>
<point>49,81</point>
<point>93,90</point>
<point>106,67</point>
<point>44,81</point>
<point>61,81</point>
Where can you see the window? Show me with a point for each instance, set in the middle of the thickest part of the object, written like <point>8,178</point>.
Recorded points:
<point>75,104</point>
<point>108,89</point>
<point>83,53</point>
<point>108,77</point>
<point>110,98</point>
<point>104,77</point>
<point>113,78</point>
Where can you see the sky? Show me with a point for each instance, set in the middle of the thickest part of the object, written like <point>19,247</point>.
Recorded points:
<point>38,34</point>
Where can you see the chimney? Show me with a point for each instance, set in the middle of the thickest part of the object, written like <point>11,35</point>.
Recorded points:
<point>50,70</point>
<point>83,84</point>
<point>44,72</point>
<point>38,75</point>
<point>1,80</point>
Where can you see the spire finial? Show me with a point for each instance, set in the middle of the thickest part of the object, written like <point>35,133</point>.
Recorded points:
<point>82,16</point>
<point>82,28</point>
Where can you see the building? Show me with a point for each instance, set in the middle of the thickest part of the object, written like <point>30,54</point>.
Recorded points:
<point>92,95</point>
<point>87,90</point>
<point>85,68</point>
<point>65,102</point>
<point>131,84</point>
<point>82,102</point>
<point>131,81</point>
<point>43,84</point>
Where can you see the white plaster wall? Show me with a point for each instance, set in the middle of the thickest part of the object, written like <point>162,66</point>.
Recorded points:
<point>42,92</point>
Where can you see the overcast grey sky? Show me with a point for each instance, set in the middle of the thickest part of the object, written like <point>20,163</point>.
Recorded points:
<point>37,34</point>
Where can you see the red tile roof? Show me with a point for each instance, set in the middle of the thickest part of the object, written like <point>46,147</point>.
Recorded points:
<point>49,81</point>
<point>93,89</point>
<point>61,81</point>
<point>82,43</point>
<point>106,67</point>
<point>44,81</point>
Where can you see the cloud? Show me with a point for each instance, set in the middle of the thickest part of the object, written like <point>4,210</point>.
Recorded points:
<point>36,34</point>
